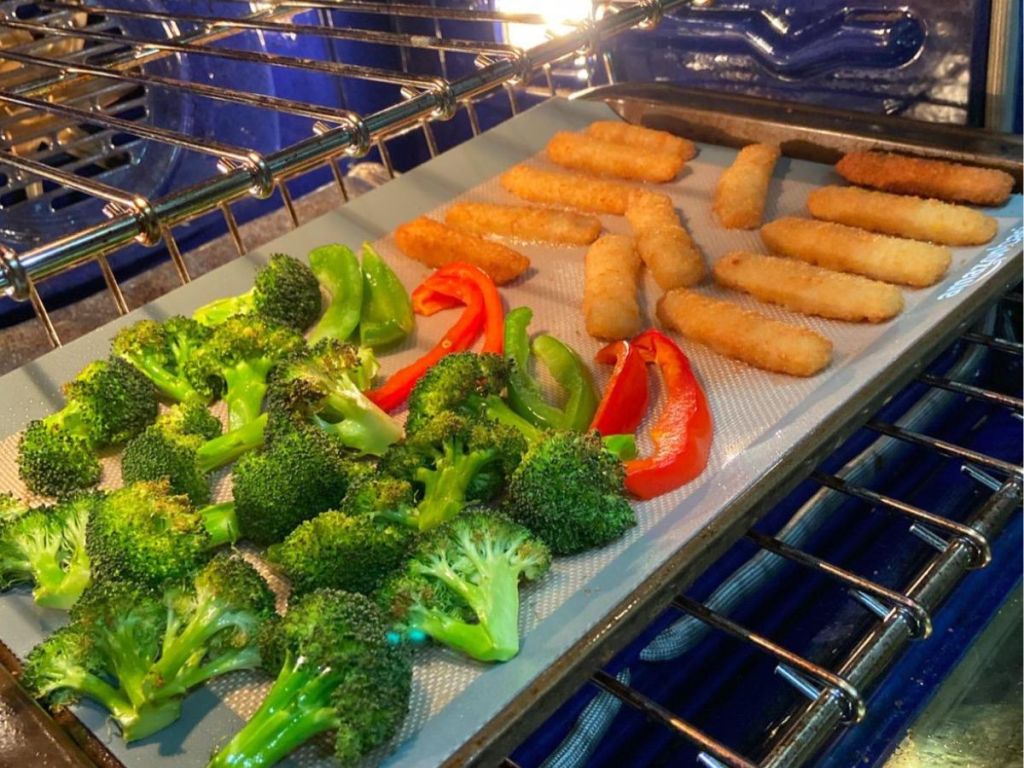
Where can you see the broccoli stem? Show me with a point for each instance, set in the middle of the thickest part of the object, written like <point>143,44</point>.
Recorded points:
<point>297,708</point>
<point>60,589</point>
<point>219,310</point>
<point>221,523</point>
<point>361,425</point>
<point>445,487</point>
<point>224,449</point>
<point>246,386</point>
<point>93,687</point>
<point>72,418</point>
<point>170,385</point>
<point>149,718</point>
<point>498,410</point>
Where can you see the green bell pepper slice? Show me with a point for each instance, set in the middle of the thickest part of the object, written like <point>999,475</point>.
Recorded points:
<point>387,315</point>
<point>337,269</point>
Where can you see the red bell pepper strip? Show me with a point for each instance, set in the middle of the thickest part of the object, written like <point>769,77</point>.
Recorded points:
<point>624,402</point>
<point>437,293</point>
<point>494,324</point>
<point>682,433</point>
<point>460,337</point>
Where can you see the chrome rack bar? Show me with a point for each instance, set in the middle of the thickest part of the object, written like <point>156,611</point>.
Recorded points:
<point>1000,345</point>
<point>921,622</point>
<point>654,711</point>
<point>945,448</point>
<point>400,9</point>
<point>969,390</point>
<point>354,134</point>
<point>850,700</point>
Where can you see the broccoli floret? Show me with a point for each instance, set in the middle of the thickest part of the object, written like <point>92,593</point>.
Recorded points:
<point>457,382</point>
<point>184,446</point>
<point>236,361</point>
<point>285,292</point>
<point>335,671</point>
<point>296,477</point>
<point>454,460</point>
<point>108,403</point>
<point>341,551</point>
<point>161,350</point>
<point>46,547</point>
<point>144,534</point>
<point>570,491</point>
<point>322,390</point>
<point>379,494</point>
<point>461,586</point>
<point>138,652</point>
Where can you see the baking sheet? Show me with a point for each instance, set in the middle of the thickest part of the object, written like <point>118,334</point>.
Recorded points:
<point>758,417</point>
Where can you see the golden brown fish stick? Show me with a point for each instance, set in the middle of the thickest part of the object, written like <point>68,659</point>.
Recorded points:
<point>848,249</point>
<point>525,222</point>
<point>645,138</point>
<point>743,187</point>
<point>809,289</point>
<point>903,216</point>
<point>664,245</point>
<point>432,243</point>
<point>571,190</point>
<point>928,178</point>
<point>610,306</point>
<point>744,335</point>
<point>579,152</point>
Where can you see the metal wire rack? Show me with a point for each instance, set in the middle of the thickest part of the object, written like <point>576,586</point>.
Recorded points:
<point>71,78</point>
<point>837,696</point>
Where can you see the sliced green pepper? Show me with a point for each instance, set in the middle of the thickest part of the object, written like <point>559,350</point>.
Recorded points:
<point>573,376</point>
<point>387,315</point>
<point>337,269</point>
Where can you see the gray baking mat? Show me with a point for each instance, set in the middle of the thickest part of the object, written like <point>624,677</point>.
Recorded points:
<point>759,417</point>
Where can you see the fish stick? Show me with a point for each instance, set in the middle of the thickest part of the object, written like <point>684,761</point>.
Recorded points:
<point>744,335</point>
<point>904,175</point>
<point>579,152</point>
<point>848,249</point>
<point>663,244</point>
<point>619,132</point>
<point>610,307</point>
<point>743,187</point>
<point>808,289</point>
<point>571,190</point>
<point>525,222</point>
<point>903,216</point>
<point>432,243</point>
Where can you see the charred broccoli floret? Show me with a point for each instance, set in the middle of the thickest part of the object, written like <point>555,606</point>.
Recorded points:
<point>379,494</point>
<point>461,586</point>
<point>336,672</point>
<point>461,382</point>
<point>569,490</point>
<point>161,350</point>
<point>285,292</point>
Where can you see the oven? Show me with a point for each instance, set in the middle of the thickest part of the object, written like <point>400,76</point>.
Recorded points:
<point>851,591</point>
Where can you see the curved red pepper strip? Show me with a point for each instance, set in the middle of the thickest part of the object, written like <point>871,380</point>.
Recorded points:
<point>624,402</point>
<point>437,293</point>
<point>682,434</point>
<point>494,325</point>
<point>460,337</point>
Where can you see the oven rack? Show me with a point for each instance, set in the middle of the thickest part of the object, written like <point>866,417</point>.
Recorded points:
<point>837,697</point>
<point>95,61</point>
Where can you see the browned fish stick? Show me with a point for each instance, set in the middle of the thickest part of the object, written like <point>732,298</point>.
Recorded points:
<point>662,242</point>
<point>580,152</point>
<point>568,190</point>
<point>743,187</point>
<point>644,138</point>
<point>433,244</point>
<point>744,335</point>
<point>610,307</point>
<point>526,222</point>
<point>808,289</point>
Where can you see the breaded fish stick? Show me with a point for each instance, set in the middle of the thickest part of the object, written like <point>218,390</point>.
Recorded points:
<point>903,216</point>
<point>580,152</point>
<point>571,190</point>
<point>848,249</point>
<point>927,178</point>
<point>644,138</point>
<point>809,289</point>
<point>526,222</point>
<point>664,245</point>
<point>749,336</point>
<point>743,187</point>
<point>610,306</point>
<point>432,243</point>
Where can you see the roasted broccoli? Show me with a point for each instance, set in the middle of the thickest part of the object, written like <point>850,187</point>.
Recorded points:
<point>461,586</point>
<point>335,671</point>
<point>300,474</point>
<point>184,446</point>
<point>323,389</point>
<point>461,382</point>
<point>108,403</point>
<point>379,494</point>
<point>452,460</point>
<point>285,292</point>
<point>45,547</point>
<point>137,652</point>
<point>340,551</point>
<point>161,350</point>
<point>569,490</point>
<point>142,533</point>
<point>235,363</point>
